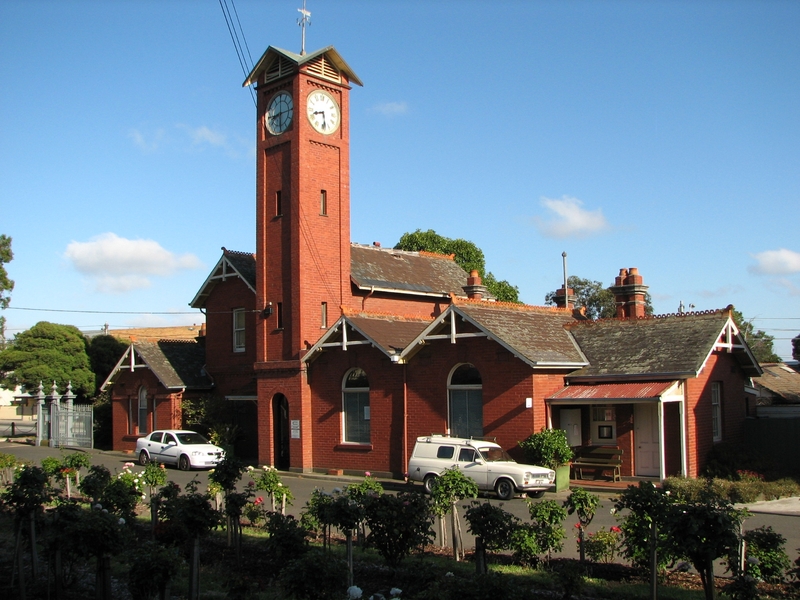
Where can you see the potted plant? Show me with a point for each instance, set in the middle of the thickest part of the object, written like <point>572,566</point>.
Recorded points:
<point>549,448</point>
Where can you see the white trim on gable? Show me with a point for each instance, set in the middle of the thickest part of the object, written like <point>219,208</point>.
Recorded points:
<point>223,270</point>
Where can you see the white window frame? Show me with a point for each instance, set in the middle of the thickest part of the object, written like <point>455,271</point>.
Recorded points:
<point>141,416</point>
<point>346,437</point>
<point>716,411</point>
<point>603,416</point>
<point>239,338</point>
<point>471,390</point>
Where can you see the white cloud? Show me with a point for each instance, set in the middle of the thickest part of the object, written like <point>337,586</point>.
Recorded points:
<point>390,109</point>
<point>571,219</point>
<point>776,262</point>
<point>147,143</point>
<point>119,265</point>
<point>204,135</point>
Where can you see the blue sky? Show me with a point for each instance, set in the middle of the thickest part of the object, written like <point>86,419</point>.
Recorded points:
<point>660,135</point>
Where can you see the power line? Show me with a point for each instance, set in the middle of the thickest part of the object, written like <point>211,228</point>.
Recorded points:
<point>237,45</point>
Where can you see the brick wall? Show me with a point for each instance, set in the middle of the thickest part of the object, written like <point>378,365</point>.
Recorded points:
<point>507,382</point>
<point>720,367</point>
<point>125,394</point>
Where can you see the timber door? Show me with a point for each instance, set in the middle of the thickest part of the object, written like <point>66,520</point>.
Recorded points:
<point>280,426</point>
<point>646,438</point>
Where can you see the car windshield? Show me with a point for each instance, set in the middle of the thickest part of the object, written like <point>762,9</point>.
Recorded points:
<point>191,438</point>
<point>494,454</point>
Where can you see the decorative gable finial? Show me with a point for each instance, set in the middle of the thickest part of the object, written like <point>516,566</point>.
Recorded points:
<point>305,18</point>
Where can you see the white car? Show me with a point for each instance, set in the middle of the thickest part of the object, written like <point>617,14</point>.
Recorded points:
<point>485,462</point>
<point>184,449</point>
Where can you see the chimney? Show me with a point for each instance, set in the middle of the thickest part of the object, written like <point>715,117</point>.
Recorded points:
<point>474,289</point>
<point>629,294</point>
<point>201,335</point>
<point>564,298</point>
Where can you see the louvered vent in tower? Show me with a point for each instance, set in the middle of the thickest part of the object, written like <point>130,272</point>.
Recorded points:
<point>322,67</point>
<point>280,67</point>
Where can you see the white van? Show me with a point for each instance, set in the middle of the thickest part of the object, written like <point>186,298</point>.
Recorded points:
<point>485,462</point>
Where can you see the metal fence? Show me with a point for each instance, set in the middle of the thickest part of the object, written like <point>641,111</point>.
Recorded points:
<point>71,425</point>
<point>61,422</point>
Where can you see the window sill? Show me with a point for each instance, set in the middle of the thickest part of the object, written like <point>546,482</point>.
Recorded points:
<point>348,447</point>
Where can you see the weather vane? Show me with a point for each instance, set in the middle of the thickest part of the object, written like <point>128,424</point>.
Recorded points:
<point>305,18</point>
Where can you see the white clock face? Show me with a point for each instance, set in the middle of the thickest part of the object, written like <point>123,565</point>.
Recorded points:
<point>279,113</point>
<point>323,112</point>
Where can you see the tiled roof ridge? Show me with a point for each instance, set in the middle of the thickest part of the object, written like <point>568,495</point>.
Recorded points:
<point>164,341</point>
<point>355,312</point>
<point>437,255</point>
<point>459,300</point>
<point>238,252</point>
<point>424,253</point>
<point>728,310</point>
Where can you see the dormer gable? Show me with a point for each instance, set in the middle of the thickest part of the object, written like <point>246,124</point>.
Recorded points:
<point>232,264</point>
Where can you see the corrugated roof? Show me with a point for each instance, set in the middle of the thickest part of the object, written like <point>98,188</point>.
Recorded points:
<point>665,346</point>
<point>613,391</point>
<point>404,272</point>
<point>782,380</point>
<point>535,334</point>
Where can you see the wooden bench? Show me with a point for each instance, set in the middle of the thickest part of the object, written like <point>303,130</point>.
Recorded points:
<point>599,458</point>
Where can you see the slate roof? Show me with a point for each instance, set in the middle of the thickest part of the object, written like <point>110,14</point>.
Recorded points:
<point>176,363</point>
<point>391,333</point>
<point>781,380</point>
<point>231,264</point>
<point>404,272</point>
<point>536,334</point>
<point>655,347</point>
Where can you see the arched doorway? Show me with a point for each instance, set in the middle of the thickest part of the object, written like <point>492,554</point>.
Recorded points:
<point>465,402</point>
<point>280,430</point>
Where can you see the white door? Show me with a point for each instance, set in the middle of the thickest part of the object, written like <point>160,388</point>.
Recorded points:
<point>570,419</point>
<point>646,438</point>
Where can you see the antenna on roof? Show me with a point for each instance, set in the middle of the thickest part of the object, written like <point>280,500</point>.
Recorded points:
<point>564,260</point>
<point>305,18</point>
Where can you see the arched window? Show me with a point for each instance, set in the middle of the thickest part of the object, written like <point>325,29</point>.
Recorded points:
<point>355,407</point>
<point>465,402</point>
<point>143,410</point>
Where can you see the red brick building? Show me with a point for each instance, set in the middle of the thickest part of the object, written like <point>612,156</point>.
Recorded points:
<point>350,352</point>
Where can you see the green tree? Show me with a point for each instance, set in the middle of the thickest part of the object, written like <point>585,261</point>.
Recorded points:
<point>598,300</point>
<point>47,352</point>
<point>104,353</point>
<point>760,343</point>
<point>6,285</point>
<point>796,348</point>
<point>467,256</point>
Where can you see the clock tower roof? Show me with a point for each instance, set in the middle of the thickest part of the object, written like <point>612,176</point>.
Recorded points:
<point>274,60</point>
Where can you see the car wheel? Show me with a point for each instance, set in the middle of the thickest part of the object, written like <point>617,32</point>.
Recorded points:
<point>539,494</point>
<point>505,489</point>
<point>183,463</point>
<point>428,483</point>
<point>143,458</point>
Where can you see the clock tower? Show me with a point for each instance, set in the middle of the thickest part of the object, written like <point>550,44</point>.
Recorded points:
<point>302,233</point>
